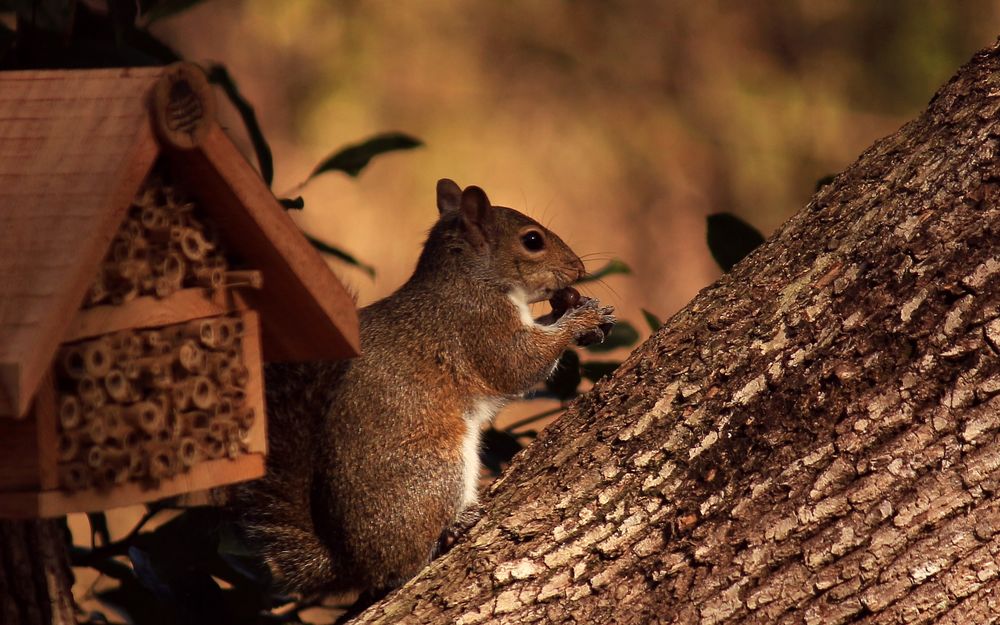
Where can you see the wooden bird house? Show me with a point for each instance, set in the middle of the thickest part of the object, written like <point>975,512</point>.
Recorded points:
<point>146,273</point>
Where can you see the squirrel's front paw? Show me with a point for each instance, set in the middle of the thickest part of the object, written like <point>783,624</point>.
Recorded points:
<point>595,322</point>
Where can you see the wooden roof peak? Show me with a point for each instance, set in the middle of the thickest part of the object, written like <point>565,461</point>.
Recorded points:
<point>75,148</point>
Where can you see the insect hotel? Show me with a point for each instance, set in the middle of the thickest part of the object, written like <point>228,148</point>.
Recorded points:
<point>147,274</point>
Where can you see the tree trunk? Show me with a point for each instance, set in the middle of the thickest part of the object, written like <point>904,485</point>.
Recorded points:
<point>814,439</point>
<point>35,578</point>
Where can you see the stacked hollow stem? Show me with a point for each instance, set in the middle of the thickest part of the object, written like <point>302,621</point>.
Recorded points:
<point>147,404</point>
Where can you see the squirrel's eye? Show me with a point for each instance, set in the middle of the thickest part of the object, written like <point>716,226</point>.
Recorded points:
<point>532,241</point>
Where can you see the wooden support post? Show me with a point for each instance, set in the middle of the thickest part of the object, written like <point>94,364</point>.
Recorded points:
<point>35,579</point>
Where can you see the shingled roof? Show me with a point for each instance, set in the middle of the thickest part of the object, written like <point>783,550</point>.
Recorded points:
<point>75,147</point>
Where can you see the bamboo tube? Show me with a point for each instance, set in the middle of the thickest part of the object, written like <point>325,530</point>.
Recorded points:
<point>171,430</point>
<point>154,219</point>
<point>177,233</point>
<point>121,251</point>
<point>239,375</point>
<point>187,452</point>
<point>132,371</point>
<point>74,476</point>
<point>138,465</point>
<point>164,287</point>
<point>112,415</point>
<point>133,269</point>
<point>227,333</point>
<point>73,363</point>
<point>156,364</point>
<point>245,418</point>
<point>211,447</point>
<point>193,245</point>
<point>97,430</point>
<point>154,341</point>
<point>90,392</point>
<point>68,446</point>
<point>163,462</point>
<point>194,422</point>
<point>216,333</point>
<point>70,412</point>
<point>217,362</point>
<point>131,229</point>
<point>173,267</point>
<point>203,392</point>
<point>118,387</point>
<point>114,473</point>
<point>128,291</point>
<point>233,450</point>
<point>237,395</point>
<point>224,408</point>
<point>210,277</point>
<point>95,457</point>
<point>145,415</point>
<point>248,277</point>
<point>124,438</point>
<point>98,291</point>
<point>221,429</point>
<point>191,358</point>
<point>126,345</point>
<point>97,358</point>
<point>181,396</point>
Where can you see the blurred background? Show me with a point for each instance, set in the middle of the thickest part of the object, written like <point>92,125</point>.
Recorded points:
<point>620,124</point>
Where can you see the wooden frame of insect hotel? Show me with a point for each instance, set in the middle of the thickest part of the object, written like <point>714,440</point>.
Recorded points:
<point>148,272</point>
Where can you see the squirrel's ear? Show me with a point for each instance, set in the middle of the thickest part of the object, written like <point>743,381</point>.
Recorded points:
<point>476,208</point>
<point>477,214</point>
<point>449,195</point>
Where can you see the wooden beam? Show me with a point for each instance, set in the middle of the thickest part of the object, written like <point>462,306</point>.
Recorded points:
<point>255,384</point>
<point>150,312</point>
<point>204,475</point>
<point>306,312</point>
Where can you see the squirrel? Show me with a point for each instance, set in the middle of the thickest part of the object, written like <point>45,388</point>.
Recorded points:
<point>371,460</point>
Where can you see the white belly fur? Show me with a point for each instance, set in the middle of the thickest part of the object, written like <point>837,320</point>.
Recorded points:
<point>482,412</point>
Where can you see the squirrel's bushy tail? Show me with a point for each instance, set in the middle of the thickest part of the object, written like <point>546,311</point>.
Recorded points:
<point>275,512</point>
<point>283,534</point>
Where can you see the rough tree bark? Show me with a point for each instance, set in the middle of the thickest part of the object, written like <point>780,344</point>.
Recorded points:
<point>35,578</point>
<point>813,439</point>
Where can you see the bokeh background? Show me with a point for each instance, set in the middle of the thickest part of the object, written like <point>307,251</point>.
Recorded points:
<point>619,123</point>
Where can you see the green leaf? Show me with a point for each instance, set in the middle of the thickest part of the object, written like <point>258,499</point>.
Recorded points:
<point>353,158</point>
<point>498,448</point>
<point>730,239</point>
<point>566,378</point>
<point>153,11</point>
<point>613,267</point>
<point>594,370</point>
<point>122,14</point>
<point>623,334</point>
<point>296,203</point>
<point>326,248</point>
<point>219,75</point>
<point>7,39</point>
<point>652,320</point>
<point>55,16</point>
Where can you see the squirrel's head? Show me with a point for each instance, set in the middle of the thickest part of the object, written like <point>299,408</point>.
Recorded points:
<point>502,246</point>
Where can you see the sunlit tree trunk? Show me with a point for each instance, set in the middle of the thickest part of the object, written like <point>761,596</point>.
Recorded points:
<point>813,439</point>
<point>35,578</point>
